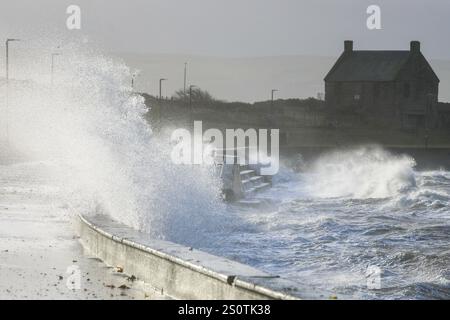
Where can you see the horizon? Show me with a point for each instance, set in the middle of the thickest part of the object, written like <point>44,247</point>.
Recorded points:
<point>298,79</point>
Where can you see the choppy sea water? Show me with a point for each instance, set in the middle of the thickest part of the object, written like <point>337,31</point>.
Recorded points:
<point>361,224</point>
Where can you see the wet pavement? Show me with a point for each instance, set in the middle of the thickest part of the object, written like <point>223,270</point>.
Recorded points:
<point>40,254</point>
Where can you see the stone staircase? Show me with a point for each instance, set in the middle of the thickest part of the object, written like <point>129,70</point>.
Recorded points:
<point>251,182</point>
<point>240,182</point>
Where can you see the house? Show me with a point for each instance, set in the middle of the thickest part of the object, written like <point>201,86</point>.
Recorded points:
<point>398,85</point>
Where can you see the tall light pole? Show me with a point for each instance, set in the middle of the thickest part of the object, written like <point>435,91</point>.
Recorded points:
<point>53,66</point>
<point>7,87</point>
<point>132,81</point>
<point>7,57</point>
<point>160,87</point>
<point>185,77</point>
<point>273,92</point>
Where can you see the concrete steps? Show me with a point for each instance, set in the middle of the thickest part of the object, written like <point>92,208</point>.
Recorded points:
<point>241,181</point>
<point>251,182</point>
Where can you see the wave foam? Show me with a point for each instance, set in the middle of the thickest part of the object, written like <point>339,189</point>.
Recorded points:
<point>93,129</point>
<point>362,173</point>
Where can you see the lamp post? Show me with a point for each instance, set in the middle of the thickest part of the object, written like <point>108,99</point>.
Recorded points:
<point>185,77</point>
<point>7,86</point>
<point>53,66</point>
<point>132,81</point>
<point>160,87</point>
<point>273,92</point>
<point>7,57</point>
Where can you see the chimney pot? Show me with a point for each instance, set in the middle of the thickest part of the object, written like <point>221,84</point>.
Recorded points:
<point>348,45</point>
<point>415,46</point>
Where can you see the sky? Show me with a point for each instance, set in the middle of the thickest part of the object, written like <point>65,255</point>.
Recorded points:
<point>238,28</point>
<point>236,49</point>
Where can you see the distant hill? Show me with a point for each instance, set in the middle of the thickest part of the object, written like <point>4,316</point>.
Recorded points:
<point>246,79</point>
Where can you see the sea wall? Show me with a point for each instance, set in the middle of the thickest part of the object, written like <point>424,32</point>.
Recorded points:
<point>175,270</point>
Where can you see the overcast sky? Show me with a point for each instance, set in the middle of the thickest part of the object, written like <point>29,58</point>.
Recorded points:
<point>237,28</point>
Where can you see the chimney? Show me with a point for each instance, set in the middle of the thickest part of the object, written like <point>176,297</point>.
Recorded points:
<point>348,45</point>
<point>415,46</point>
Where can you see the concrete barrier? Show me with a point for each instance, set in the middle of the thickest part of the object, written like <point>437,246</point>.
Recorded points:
<point>175,270</point>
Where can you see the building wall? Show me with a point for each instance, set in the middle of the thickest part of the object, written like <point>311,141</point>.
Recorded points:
<point>407,96</point>
<point>363,96</point>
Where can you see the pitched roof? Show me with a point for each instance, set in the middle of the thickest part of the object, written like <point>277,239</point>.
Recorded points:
<point>368,66</point>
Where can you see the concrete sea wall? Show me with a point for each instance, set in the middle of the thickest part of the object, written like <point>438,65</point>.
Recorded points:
<point>175,270</point>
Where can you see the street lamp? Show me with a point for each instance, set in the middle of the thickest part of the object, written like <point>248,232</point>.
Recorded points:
<point>53,66</point>
<point>7,86</point>
<point>7,57</point>
<point>185,77</point>
<point>160,87</point>
<point>132,81</point>
<point>273,91</point>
